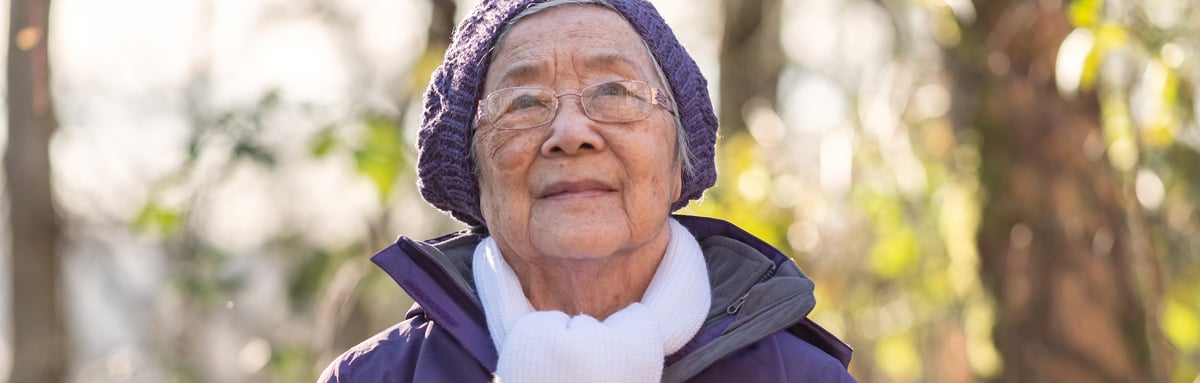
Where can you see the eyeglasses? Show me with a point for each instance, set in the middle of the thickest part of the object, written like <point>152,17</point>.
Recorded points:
<point>531,107</point>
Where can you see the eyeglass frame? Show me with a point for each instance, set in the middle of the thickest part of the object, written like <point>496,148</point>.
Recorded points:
<point>658,97</point>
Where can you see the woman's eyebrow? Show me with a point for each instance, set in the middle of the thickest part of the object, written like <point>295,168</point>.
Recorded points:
<point>609,60</point>
<point>520,73</point>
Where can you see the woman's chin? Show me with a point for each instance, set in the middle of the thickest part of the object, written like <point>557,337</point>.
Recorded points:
<point>576,249</point>
<point>565,243</point>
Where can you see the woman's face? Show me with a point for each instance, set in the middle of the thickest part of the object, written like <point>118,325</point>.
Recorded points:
<point>575,188</point>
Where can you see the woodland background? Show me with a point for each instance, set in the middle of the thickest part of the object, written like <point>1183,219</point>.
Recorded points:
<point>983,191</point>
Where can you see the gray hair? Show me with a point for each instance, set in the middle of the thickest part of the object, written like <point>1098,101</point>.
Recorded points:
<point>683,152</point>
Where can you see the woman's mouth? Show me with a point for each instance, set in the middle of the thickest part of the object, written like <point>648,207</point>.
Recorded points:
<point>575,189</point>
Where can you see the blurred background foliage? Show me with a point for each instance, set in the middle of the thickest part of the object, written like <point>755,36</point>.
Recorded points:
<point>223,169</point>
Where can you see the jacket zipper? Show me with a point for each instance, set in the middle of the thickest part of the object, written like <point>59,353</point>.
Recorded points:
<point>737,304</point>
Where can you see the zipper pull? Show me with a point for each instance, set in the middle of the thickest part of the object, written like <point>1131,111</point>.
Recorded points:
<point>737,305</point>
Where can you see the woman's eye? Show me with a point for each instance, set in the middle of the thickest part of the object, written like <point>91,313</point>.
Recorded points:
<point>524,102</point>
<point>612,89</point>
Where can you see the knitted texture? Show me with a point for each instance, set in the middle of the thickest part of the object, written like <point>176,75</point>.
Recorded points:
<point>628,346</point>
<point>444,169</point>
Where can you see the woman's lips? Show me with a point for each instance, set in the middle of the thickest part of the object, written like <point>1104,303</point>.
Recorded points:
<point>575,189</point>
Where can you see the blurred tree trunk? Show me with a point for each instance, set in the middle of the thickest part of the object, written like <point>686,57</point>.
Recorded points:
<point>1055,243</point>
<point>441,24</point>
<point>39,327</point>
<point>341,308</point>
<point>751,59</point>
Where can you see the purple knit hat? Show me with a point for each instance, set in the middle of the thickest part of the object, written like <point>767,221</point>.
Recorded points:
<point>444,168</point>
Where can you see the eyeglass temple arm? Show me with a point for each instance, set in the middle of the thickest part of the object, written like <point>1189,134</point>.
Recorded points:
<point>661,99</point>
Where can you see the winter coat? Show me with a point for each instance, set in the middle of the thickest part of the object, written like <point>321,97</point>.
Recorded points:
<point>755,331</point>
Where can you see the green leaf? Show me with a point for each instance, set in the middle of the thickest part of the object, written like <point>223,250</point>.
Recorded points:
<point>380,156</point>
<point>155,217</point>
<point>895,249</point>
<point>323,142</point>
<point>894,253</point>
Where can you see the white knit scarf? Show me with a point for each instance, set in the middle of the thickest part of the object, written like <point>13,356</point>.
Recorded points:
<point>628,346</point>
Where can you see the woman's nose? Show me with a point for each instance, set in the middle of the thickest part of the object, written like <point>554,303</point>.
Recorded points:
<point>571,131</point>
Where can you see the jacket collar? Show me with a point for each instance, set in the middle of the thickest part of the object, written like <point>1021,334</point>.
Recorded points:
<point>437,274</point>
<point>439,281</point>
<point>704,228</point>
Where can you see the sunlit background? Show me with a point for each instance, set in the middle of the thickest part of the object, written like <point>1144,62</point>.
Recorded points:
<point>224,168</point>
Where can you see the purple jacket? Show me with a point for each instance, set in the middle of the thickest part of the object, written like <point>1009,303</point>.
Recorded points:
<point>756,330</point>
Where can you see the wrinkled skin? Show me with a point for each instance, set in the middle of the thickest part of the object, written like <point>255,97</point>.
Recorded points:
<point>578,208</point>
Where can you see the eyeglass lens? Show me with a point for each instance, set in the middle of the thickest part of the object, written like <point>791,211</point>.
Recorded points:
<point>527,107</point>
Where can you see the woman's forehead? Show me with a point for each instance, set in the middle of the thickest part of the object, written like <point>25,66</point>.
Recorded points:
<point>534,68</point>
<point>594,39</point>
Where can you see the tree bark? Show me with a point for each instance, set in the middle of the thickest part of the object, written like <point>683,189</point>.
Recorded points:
<point>441,24</point>
<point>751,59</point>
<point>1056,250</point>
<point>40,338</point>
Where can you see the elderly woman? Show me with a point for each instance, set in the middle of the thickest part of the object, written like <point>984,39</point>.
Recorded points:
<point>565,132</point>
